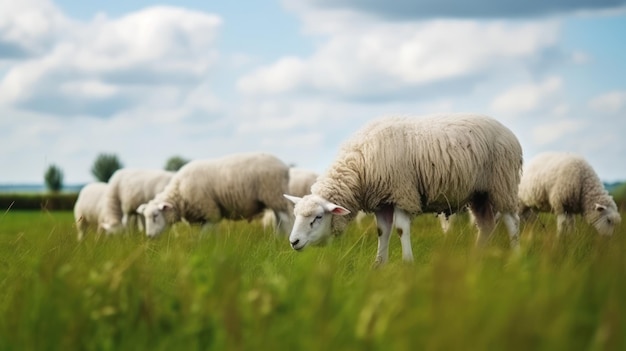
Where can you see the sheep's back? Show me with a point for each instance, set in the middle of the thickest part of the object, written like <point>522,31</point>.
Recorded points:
<point>440,160</point>
<point>240,185</point>
<point>556,177</point>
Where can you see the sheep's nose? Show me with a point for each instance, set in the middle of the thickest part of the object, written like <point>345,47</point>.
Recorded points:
<point>295,242</point>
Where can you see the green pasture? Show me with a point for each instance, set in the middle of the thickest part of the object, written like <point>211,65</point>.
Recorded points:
<point>238,287</point>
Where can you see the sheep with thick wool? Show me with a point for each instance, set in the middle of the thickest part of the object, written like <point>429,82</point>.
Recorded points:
<point>238,186</point>
<point>399,167</point>
<point>128,189</point>
<point>566,185</point>
<point>300,181</point>
<point>89,208</point>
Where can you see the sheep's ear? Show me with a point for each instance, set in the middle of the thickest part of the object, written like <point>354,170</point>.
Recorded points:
<point>293,199</point>
<point>600,208</point>
<point>141,208</point>
<point>336,209</point>
<point>164,206</point>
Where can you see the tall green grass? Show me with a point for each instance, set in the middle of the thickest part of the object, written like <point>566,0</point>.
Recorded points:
<point>240,287</point>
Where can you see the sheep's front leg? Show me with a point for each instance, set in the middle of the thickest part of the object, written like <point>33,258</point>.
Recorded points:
<point>402,221</point>
<point>384,223</point>
<point>284,223</point>
<point>564,222</point>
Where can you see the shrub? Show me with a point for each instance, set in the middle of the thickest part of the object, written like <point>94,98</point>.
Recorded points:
<point>48,202</point>
<point>174,163</point>
<point>104,166</point>
<point>54,178</point>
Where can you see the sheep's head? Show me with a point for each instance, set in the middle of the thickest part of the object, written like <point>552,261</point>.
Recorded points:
<point>313,217</point>
<point>156,216</point>
<point>111,228</point>
<point>605,219</point>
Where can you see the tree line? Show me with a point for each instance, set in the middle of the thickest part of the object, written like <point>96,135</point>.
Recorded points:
<point>102,169</point>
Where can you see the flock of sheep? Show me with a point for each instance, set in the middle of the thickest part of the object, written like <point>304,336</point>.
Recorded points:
<point>394,167</point>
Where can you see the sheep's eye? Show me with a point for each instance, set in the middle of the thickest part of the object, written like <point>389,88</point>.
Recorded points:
<point>317,218</point>
<point>609,221</point>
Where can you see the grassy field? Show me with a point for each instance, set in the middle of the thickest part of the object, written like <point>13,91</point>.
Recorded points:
<point>241,288</point>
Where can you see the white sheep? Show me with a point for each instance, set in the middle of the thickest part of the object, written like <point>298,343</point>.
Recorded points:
<point>128,189</point>
<point>398,167</point>
<point>566,184</point>
<point>89,208</point>
<point>300,181</point>
<point>238,186</point>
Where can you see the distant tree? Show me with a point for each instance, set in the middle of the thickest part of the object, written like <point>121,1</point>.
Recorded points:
<point>104,166</point>
<point>619,195</point>
<point>174,163</point>
<point>54,178</point>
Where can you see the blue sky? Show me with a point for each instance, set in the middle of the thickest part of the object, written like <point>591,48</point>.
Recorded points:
<point>148,80</point>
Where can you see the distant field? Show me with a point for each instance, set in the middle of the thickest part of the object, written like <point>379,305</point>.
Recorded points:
<point>239,287</point>
<point>36,188</point>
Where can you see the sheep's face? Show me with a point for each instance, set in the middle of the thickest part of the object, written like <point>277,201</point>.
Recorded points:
<point>607,218</point>
<point>313,217</point>
<point>155,217</point>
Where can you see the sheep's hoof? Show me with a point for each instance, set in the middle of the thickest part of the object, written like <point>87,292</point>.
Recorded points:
<point>378,263</point>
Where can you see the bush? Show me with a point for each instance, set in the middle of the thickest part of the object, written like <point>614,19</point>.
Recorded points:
<point>619,195</point>
<point>104,166</point>
<point>54,178</point>
<point>48,202</point>
<point>174,163</point>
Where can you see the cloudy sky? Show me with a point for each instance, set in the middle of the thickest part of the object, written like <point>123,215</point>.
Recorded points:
<point>148,80</point>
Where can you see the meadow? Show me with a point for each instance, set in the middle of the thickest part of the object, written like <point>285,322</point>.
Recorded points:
<point>240,287</point>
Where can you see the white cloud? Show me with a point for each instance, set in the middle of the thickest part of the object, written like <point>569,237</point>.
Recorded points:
<point>609,103</point>
<point>110,64</point>
<point>29,27</point>
<point>528,97</point>
<point>385,59</point>
<point>88,88</point>
<point>549,133</point>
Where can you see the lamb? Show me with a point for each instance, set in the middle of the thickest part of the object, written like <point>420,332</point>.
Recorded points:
<point>399,167</point>
<point>89,208</point>
<point>238,186</point>
<point>128,189</point>
<point>300,181</point>
<point>566,184</point>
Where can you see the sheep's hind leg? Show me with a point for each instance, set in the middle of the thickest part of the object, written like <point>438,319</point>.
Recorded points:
<point>564,223</point>
<point>402,222</point>
<point>384,223</point>
<point>482,210</point>
<point>511,221</point>
<point>81,226</point>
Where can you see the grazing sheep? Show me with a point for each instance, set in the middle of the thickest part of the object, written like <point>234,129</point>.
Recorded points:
<point>565,184</point>
<point>128,189</point>
<point>398,167</point>
<point>89,208</point>
<point>300,181</point>
<point>238,186</point>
